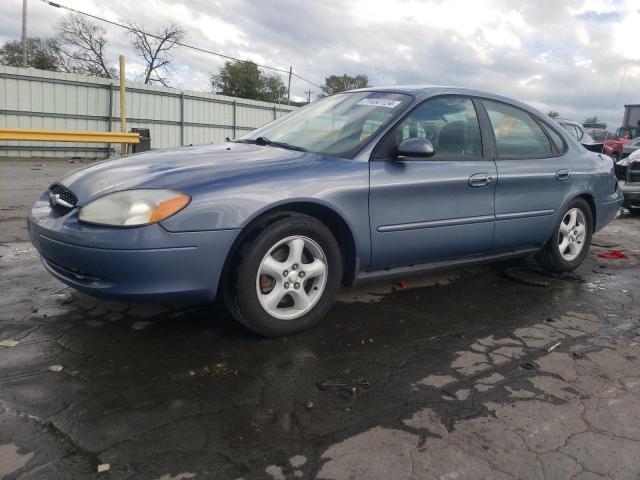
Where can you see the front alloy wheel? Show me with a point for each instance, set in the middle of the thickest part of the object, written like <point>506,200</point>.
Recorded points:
<point>292,277</point>
<point>285,276</point>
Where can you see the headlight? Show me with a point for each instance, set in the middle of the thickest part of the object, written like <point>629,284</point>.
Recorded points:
<point>134,207</point>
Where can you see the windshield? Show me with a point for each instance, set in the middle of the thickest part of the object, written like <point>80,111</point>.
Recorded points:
<point>337,125</point>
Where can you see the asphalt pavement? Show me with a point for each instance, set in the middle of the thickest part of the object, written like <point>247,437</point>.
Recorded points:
<point>467,374</point>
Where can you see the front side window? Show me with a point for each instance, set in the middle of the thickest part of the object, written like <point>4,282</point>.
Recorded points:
<point>517,134</point>
<point>449,123</point>
<point>338,125</point>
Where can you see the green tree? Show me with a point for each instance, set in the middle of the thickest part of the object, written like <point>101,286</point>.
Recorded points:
<point>42,53</point>
<point>553,114</point>
<point>245,80</point>
<point>340,83</point>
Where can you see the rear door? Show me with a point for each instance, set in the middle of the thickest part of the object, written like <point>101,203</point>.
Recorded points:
<point>534,176</point>
<point>423,210</point>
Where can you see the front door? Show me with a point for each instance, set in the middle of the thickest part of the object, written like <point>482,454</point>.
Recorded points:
<point>433,208</point>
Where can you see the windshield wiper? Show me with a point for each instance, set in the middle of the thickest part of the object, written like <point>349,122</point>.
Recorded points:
<point>264,141</point>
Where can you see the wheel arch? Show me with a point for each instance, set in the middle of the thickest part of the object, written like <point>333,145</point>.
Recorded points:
<point>327,215</point>
<point>592,205</point>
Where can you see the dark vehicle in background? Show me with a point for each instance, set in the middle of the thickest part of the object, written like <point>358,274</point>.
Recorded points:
<point>630,123</point>
<point>627,133</point>
<point>628,173</point>
<point>630,147</point>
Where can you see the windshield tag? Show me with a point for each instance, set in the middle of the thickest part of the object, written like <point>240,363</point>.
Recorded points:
<point>379,102</point>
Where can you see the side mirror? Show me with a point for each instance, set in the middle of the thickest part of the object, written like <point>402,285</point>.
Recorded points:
<point>414,149</point>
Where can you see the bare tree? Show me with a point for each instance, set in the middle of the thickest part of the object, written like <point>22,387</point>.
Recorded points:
<point>83,43</point>
<point>155,49</point>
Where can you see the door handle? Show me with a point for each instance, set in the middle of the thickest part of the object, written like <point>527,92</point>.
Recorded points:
<point>563,175</point>
<point>480,180</point>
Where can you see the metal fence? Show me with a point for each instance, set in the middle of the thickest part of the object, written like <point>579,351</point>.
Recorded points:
<point>31,98</point>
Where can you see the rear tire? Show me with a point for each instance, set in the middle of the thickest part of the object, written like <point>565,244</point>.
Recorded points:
<point>571,239</point>
<point>285,278</point>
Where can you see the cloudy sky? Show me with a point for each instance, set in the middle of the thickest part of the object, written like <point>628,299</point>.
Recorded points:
<point>567,56</point>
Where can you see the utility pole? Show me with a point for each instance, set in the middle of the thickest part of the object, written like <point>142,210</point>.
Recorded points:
<point>24,33</point>
<point>308,92</point>
<point>289,87</point>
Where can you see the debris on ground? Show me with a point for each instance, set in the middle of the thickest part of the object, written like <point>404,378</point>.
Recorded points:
<point>56,368</point>
<point>613,254</point>
<point>216,370</point>
<point>603,245</point>
<point>103,467</point>
<point>404,284</point>
<point>352,387</point>
<point>554,346</point>
<point>9,343</point>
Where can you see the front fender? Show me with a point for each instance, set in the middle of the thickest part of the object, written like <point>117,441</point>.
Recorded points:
<point>341,185</point>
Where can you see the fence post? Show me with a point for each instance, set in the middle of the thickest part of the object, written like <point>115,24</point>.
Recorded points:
<point>123,106</point>
<point>182,119</point>
<point>274,112</point>
<point>235,124</point>
<point>109,127</point>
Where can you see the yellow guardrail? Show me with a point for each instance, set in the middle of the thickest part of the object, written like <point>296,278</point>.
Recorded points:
<point>31,134</point>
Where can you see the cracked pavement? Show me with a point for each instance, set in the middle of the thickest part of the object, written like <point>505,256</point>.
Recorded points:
<point>472,376</point>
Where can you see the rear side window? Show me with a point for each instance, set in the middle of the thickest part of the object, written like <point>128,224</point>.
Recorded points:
<point>517,134</point>
<point>555,138</point>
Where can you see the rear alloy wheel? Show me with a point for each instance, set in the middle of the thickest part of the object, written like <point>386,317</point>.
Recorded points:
<point>569,244</point>
<point>286,277</point>
<point>572,234</point>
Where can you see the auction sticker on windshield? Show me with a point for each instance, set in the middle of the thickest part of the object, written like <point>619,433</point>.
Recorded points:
<point>379,102</point>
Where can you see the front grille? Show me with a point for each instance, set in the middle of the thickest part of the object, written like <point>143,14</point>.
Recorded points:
<point>60,195</point>
<point>621,172</point>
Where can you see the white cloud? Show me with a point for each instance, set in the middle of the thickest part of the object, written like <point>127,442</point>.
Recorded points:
<point>565,55</point>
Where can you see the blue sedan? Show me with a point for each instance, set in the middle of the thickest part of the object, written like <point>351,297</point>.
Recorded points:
<point>361,185</point>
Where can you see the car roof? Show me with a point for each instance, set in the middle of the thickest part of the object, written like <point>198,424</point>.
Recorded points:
<point>425,91</point>
<point>567,120</point>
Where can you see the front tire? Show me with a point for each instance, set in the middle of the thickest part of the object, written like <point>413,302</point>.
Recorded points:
<point>286,277</point>
<point>569,244</point>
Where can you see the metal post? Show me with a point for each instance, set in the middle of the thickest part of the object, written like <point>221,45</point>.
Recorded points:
<point>274,112</point>
<point>24,33</point>
<point>109,127</point>
<point>123,106</point>
<point>289,87</point>
<point>182,119</point>
<point>235,126</point>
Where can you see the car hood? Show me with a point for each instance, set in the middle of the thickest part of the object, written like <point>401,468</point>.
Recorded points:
<point>183,169</point>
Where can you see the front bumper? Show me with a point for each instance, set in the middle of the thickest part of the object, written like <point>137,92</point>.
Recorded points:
<point>130,264</point>
<point>631,192</point>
